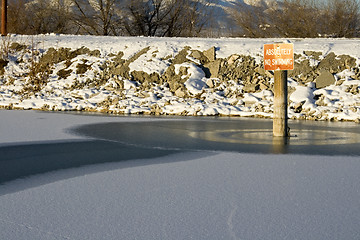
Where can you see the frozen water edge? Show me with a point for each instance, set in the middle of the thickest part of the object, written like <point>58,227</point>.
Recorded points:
<point>36,126</point>
<point>193,195</point>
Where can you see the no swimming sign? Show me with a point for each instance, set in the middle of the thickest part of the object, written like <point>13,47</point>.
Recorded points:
<point>279,56</point>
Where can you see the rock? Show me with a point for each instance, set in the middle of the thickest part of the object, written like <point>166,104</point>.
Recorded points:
<point>210,83</point>
<point>183,71</point>
<point>328,62</point>
<point>354,89</point>
<point>313,54</point>
<point>251,88</point>
<point>196,54</point>
<point>210,54</point>
<point>180,92</point>
<point>212,69</point>
<point>302,71</point>
<point>320,101</point>
<point>339,82</point>
<point>264,86</point>
<point>119,82</point>
<point>3,64</point>
<point>298,107</point>
<point>156,110</point>
<point>138,54</point>
<point>18,47</point>
<point>64,73</point>
<point>181,57</point>
<point>324,79</point>
<point>347,61</point>
<point>109,88</point>
<point>82,68</point>
<point>336,64</point>
<point>199,56</point>
<point>260,70</point>
<point>232,59</point>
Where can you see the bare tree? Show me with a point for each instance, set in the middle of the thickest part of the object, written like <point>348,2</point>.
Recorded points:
<point>43,17</point>
<point>37,17</point>
<point>298,18</point>
<point>197,16</point>
<point>145,17</point>
<point>252,20</point>
<point>166,17</point>
<point>342,17</point>
<point>96,17</point>
<point>17,21</point>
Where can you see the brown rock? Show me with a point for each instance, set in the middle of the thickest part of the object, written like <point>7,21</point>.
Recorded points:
<point>232,59</point>
<point>180,92</point>
<point>251,88</point>
<point>324,79</point>
<point>212,69</point>
<point>210,54</point>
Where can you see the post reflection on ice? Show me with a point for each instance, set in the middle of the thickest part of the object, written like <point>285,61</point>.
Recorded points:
<point>280,144</point>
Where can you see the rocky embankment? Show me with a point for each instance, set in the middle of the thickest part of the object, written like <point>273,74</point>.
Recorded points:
<point>323,86</point>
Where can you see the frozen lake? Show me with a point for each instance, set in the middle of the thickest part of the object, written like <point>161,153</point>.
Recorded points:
<point>232,134</point>
<point>175,178</point>
<point>121,141</point>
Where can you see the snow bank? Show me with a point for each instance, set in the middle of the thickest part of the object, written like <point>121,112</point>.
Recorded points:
<point>182,76</point>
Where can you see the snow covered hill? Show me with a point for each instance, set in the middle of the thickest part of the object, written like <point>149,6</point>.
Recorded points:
<point>177,76</point>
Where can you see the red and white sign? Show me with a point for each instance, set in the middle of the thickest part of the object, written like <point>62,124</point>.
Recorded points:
<point>279,56</point>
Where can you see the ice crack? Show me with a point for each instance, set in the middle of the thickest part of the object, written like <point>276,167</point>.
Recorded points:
<point>230,221</point>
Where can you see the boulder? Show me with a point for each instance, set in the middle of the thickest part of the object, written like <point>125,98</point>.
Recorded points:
<point>324,79</point>
<point>232,59</point>
<point>180,92</point>
<point>210,83</point>
<point>3,64</point>
<point>313,54</point>
<point>251,88</point>
<point>210,54</point>
<point>212,69</point>
<point>181,57</point>
<point>199,56</point>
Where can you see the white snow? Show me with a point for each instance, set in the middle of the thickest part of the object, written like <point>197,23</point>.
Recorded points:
<point>196,82</point>
<point>190,195</point>
<point>57,96</point>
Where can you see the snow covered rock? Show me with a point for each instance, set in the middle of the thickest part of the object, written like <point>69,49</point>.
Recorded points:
<point>177,76</point>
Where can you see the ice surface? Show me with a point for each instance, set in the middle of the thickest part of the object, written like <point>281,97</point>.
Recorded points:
<point>35,126</point>
<point>190,195</point>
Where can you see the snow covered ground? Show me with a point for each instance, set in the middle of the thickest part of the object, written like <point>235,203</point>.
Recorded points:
<point>197,194</point>
<point>105,80</point>
<point>188,195</point>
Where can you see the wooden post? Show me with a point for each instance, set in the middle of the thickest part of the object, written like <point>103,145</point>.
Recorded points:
<point>279,57</point>
<point>280,122</point>
<point>4,17</point>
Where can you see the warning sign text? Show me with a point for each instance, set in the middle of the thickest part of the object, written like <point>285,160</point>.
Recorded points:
<point>279,56</point>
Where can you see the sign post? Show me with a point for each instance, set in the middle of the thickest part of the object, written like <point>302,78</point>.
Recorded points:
<point>3,17</point>
<point>279,57</point>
